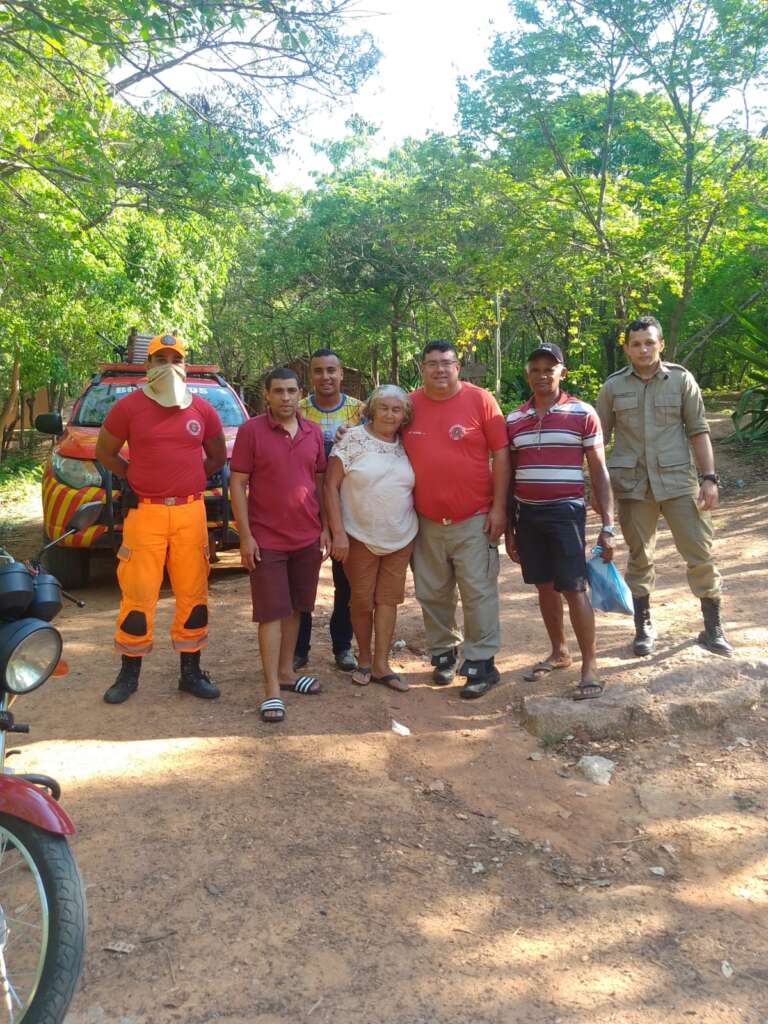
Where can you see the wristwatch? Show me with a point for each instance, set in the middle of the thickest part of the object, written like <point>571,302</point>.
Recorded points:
<point>714,477</point>
<point>608,529</point>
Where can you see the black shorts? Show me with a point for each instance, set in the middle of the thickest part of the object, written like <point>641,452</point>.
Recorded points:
<point>550,541</point>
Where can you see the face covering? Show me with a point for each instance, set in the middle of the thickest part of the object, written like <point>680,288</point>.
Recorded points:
<point>167,385</point>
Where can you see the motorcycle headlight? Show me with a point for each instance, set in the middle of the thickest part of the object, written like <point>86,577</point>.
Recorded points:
<point>29,652</point>
<point>76,472</point>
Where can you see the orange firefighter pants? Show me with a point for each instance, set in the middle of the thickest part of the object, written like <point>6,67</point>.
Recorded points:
<point>155,536</point>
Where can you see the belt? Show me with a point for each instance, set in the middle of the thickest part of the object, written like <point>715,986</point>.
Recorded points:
<point>445,521</point>
<point>184,499</point>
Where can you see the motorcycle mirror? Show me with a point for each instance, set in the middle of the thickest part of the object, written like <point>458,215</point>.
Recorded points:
<point>49,423</point>
<point>80,519</point>
<point>85,516</point>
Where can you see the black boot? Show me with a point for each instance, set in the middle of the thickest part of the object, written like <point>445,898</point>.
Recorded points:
<point>127,681</point>
<point>712,636</point>
<point>645,631</point>
<point>481,676</point>
<point>194,680</point>
<point>445,667</point>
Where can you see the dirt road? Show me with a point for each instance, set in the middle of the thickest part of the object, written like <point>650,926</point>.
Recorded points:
<point>332,871</point>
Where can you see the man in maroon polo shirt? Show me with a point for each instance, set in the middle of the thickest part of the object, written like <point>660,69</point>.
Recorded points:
<point>277,466</point>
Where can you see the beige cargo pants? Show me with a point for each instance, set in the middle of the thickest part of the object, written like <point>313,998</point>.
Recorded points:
<point>455,559</point>
<point>691,531</point>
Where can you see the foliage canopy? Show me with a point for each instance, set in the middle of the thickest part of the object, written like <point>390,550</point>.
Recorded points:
<point>611,160</point>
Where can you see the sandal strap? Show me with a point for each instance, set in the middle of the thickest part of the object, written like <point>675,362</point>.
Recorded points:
<point>588,691</point>
<point>272,704</point>
<point>304,684</point>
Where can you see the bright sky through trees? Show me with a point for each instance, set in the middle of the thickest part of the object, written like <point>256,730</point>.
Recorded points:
<point>600,168</point>
<point>425,46</point>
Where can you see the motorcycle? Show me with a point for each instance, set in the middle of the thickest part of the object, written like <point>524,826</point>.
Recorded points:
<point>42,899</point>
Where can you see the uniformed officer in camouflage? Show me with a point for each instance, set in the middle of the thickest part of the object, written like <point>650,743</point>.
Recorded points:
<point>656,414</point>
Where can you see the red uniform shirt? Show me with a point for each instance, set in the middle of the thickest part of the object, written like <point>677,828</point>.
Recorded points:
<point>165,444</point>
<point>547,453</point>
<point>283,510</point>
<point>448,444</point>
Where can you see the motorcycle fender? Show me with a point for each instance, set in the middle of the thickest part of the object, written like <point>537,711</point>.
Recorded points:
<point>21,799</point>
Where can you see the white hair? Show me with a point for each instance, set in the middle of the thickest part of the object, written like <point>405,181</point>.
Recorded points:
<point>389,391</point>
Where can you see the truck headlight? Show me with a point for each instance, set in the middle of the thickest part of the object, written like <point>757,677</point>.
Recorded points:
<point>76,472</point>
<point>29,652</point>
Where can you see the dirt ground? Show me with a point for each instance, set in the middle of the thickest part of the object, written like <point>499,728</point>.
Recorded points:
<point>330,870</point>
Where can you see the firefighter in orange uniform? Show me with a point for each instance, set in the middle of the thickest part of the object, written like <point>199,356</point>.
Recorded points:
<point>176,442</point>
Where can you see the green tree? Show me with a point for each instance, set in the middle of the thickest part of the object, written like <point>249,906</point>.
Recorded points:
<point>649,195</point>
<point>124,171</point>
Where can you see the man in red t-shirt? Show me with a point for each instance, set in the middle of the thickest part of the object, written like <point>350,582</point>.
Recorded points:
<point>277,465</point>
<point>550,435</point>
<point>457,444</point>
<point>176,441</point>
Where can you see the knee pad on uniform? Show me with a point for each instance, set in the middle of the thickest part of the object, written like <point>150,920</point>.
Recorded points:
<point>198,617</point>
<point>134,624</point>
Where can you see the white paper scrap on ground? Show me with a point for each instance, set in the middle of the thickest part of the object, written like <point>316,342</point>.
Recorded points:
<point>401,730</point>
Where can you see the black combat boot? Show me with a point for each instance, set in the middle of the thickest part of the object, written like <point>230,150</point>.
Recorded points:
<point>127,681</point>
<point>645,631</point>
<point>481,676</point>
<point>712,636</point>
<point>194,680</point>
<point>445,667</point>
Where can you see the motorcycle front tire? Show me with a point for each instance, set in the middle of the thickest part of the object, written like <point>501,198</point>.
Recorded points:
<point>59,884</point>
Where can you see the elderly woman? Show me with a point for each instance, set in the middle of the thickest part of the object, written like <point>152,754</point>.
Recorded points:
<point>369,502</point>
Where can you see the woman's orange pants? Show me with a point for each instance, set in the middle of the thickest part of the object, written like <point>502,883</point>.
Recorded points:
<point>155,536</point>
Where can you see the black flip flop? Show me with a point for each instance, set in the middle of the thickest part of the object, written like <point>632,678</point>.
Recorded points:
<point>543,668</point>
<point>389,679</point>
<point>588,691</point>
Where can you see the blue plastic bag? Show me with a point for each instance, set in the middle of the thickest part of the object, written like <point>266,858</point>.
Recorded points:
<point>609,591</point>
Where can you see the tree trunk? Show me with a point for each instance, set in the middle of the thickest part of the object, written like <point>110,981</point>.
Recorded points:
<point>8,411</point>
<point>609,347</point>
<point>607,340</point>
<point>394,335</point>
<point>31,410</point>
<point>394,352</point>
<point>672,334</point>
<point>7,435</point>
<point>375,365</point>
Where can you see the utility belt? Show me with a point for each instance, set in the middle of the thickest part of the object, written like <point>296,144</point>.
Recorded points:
<point>130,499</point>
<point>183,499</point>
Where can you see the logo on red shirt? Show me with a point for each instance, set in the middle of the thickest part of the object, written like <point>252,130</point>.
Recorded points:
<point>457,432</point>
<point>194,427</point>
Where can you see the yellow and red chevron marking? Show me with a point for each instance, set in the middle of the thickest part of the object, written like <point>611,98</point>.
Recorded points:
<point>216,523</point>
<point>59,502</point>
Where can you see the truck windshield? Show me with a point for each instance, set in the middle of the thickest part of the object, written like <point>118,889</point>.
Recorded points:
<point>223,401</point>
<point>97,401</point>
<point>99,398</point>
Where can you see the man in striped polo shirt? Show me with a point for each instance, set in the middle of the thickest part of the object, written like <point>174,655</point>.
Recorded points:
<point>549,435</point>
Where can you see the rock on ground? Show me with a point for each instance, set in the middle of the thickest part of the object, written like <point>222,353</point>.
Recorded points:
<point>596,769</point>
<point>699,694</point>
